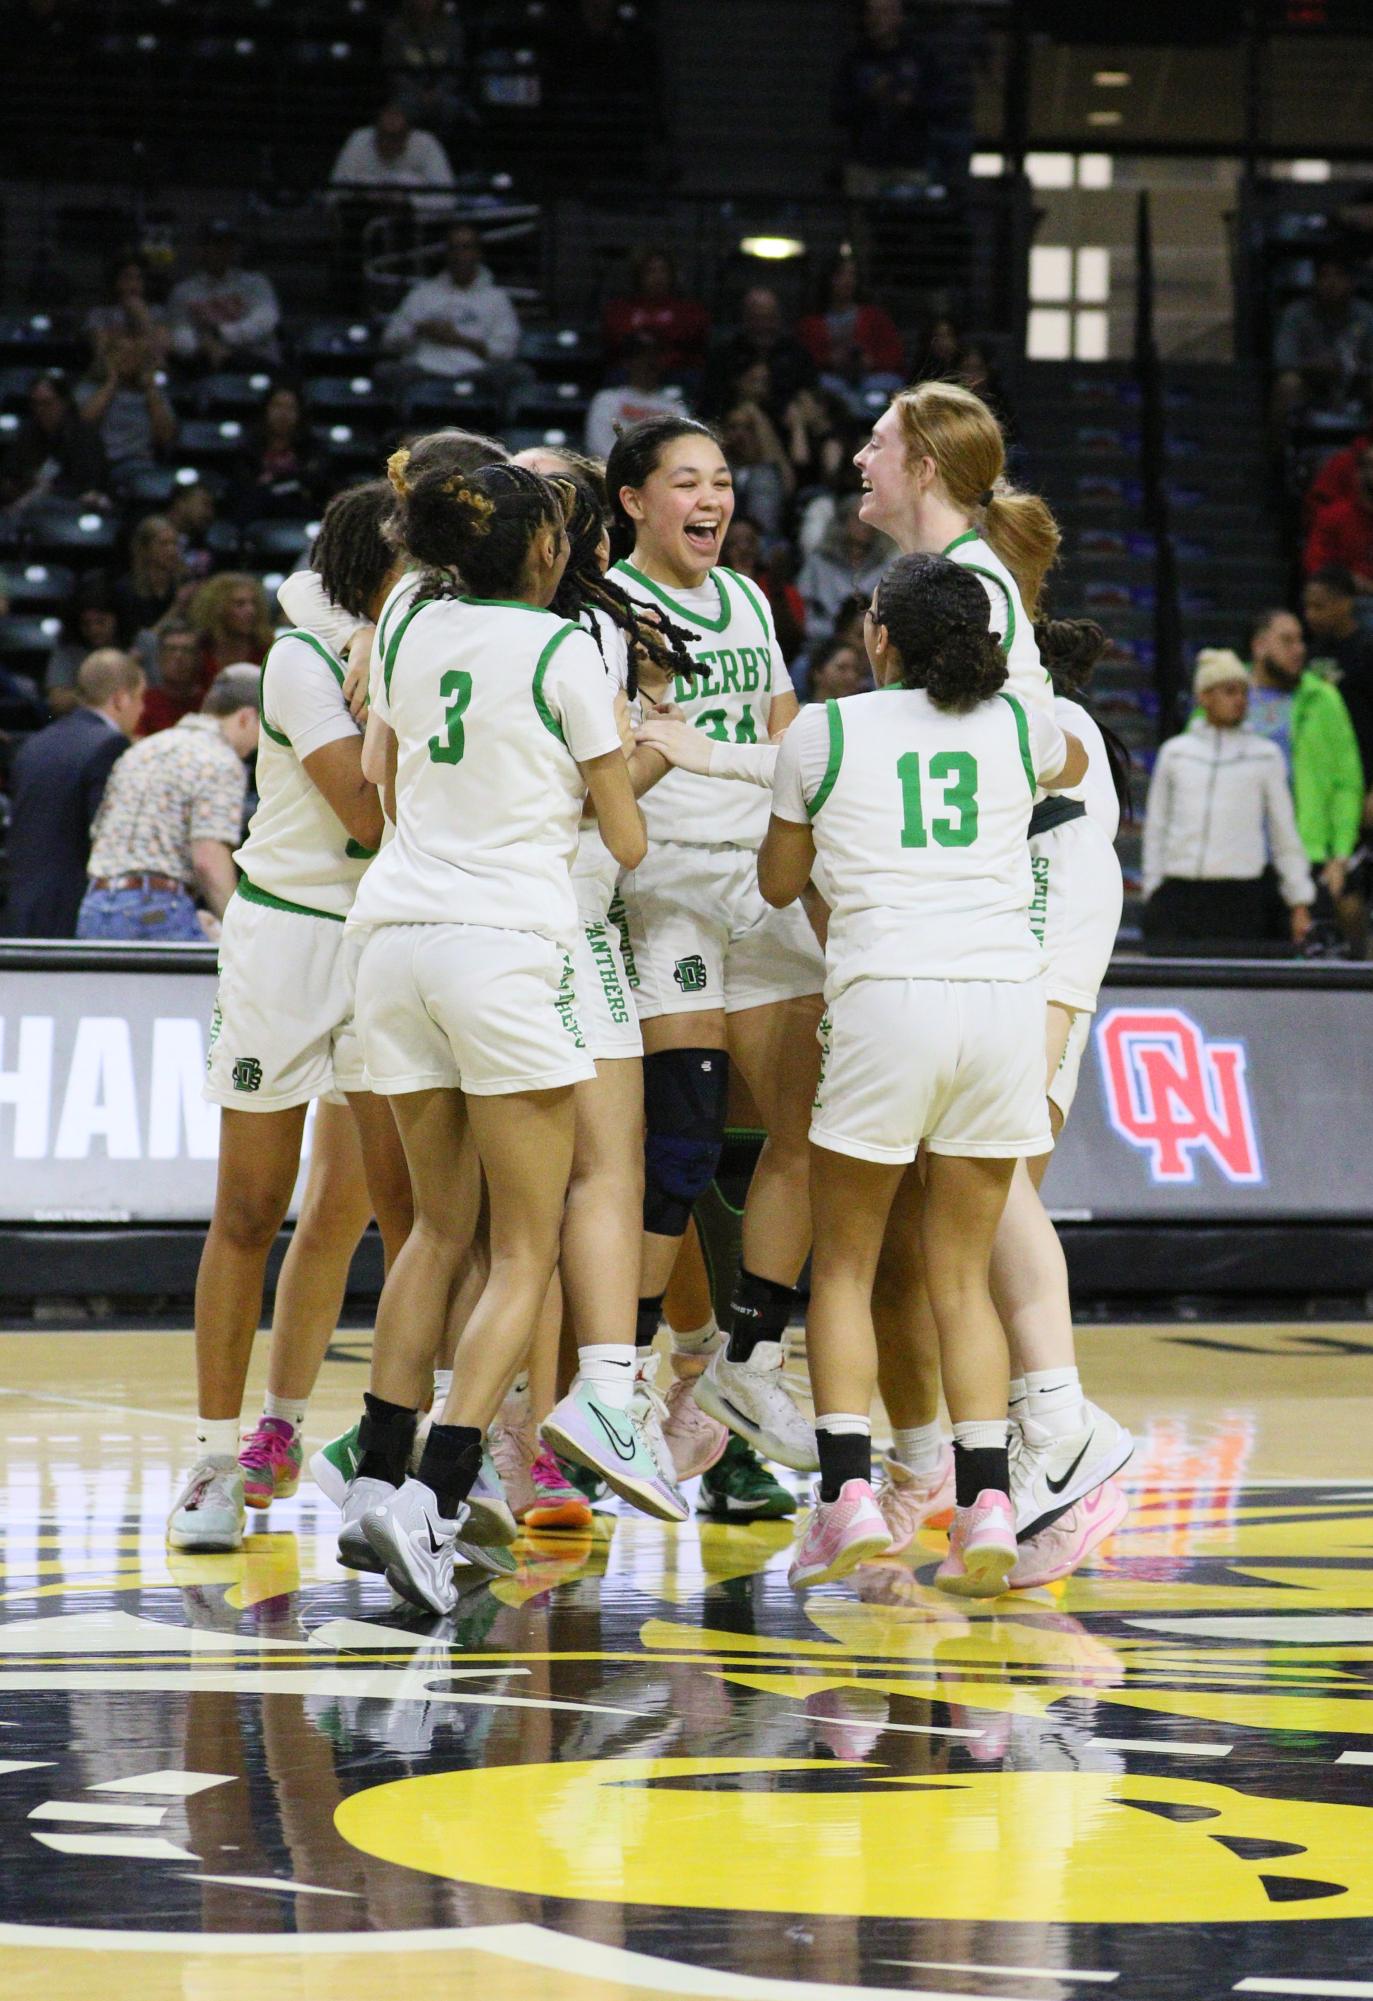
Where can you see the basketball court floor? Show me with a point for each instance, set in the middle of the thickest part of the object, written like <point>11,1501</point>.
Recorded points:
<point>643,1767</point>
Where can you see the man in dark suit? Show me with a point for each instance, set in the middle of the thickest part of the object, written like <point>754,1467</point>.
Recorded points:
<point>58,781</point>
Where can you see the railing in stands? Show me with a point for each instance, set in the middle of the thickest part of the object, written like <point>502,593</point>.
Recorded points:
<point>1153,470</point>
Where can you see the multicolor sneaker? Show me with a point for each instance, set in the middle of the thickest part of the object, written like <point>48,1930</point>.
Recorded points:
<point>648,1411</point>
<point>909,1500</point>
<point>556,1504</point>
<point>612,1443</point>
<point>1049,1472</point>
<point>1059,1549</point>
<point>740,1488</point>
<point>270,1458</point>
<point>335,1466</point>
<point>208,1512</point>
<point>982,1551</point>
<point>589,1485</point>
<point>754,1401</point>
<point>839,1535</point>
<point>694,1439</point>
<point>513,1447</point>
<point>490,1519</point>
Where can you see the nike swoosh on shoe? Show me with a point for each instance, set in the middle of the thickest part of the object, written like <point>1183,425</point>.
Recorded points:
<point>1057,1486</point>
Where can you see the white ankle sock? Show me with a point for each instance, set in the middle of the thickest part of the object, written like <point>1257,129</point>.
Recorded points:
<point>443,1383</point>
<point>290,1410</point>
<point>217,1437</point>
<point>844,1424</point>
<point>1053,1399</point>
<point>609,1367</point>
<point>1016,1396</point>
<point>978,1434</point>
<point>703,1340</point>
<point>917,1447</point>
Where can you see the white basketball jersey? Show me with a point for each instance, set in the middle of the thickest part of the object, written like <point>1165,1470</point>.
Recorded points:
<point>493,706</point>
<point>297,849</point>
<point>1098,789</point>
<point>920,820</point>
<point>595,870</point>
<point>1026,675</point>
<point>734,639</point>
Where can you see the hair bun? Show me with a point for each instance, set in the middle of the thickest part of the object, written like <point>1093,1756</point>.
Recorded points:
<point>395,471</point>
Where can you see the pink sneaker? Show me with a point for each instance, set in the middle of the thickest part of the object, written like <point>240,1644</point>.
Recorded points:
<point>909,1500</point>
<point>694,1438</point>
<point>839,1535</point>
<point>512,1445</point>
<point>270,1458</point>
<point>1068,1542</point>
<point>556,1504</point>
<point>982,1550</point>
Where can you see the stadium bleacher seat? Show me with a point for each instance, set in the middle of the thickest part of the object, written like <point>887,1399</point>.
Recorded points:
<point>42,340</point>
<point>268,543</point>
<point>331,346</point>
<point>36,587</point>
<point>232,395</point>
<point>209,440</point>
<point>561,404</point>
<point>562,354</point>
<point>527,438</point>
<point>66,529</point>
<point>462,402</point>
<point>346,399</point>
<point>345,448</point>
<point>26,640</point>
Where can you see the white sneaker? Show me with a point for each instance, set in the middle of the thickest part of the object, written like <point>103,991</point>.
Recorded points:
<point>415,1545</point>
<point>648,1411</point>
<point>1048,1474</point>
<point>360,1497</point>
<point>752,1399</point>
<point>209,1512</point>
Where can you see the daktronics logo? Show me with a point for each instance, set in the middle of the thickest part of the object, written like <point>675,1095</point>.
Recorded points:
<point>1174,1094</point>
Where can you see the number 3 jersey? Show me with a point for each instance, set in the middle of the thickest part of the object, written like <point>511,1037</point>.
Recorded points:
<point>734,641</point>
<point>494,706</point>
<point>920,820</point>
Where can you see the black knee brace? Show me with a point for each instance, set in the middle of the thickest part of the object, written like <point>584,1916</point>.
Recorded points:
<point>685,1095</point>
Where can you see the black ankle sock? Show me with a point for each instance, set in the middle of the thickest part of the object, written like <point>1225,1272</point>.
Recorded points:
<point>844,1455</point>
<point>759,1311</point>
<point>452,1460</point>
<point>978,1467</point>
<point>385,1437</point>
<point>647,1321</point>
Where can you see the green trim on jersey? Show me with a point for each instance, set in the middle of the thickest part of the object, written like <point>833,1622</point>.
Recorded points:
<point>968,535</point>
<point>250,893</point>
<point>747,589</point>
<point>992,578</point>
<point>390,657</point>
<point>392,606</point>
<point>689,617</point>
<point>546,715</point>
<point>836,758</point>
<point>1022,730</point>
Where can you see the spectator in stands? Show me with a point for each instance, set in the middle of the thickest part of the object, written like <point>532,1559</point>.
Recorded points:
<point>54,452</point>
<point>1218,808</point>
<point>1341,650</point>
<point>178,681</point>
<point>641,395</point>
<point>886,89</point>
<point>460,323</point>
<point>191,511</point>
<point>392,167</point>
<point>838,669</point>
<point>1342,532</point>
<point>224,316</point>
<point>278,473</point>
<point>938,351</point>
<point>655,305</point>
<point>762,336</point>
<point>57,784</point>
<point>821,436</point>
<point>170,820</point>
<point>1336,478</point>
<point>231,614</point>
<point>127,406</point>
<point>423,51</point>
<point>156,576</point>
<point>853,345</point>
<point>128,314</point>
<point>90,624</point>
<point>1323,349</point>
<point>847,562</point>
<point>743,551</point>
<point>1306,718</point>
<point>763,478</point>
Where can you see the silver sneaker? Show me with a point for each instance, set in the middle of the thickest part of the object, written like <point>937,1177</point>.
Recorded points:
<point>209,1512</point>
<point>754,1401</point>
<point>360,1497</point>
<point>1048,1474</point>
<point>419,1549</point>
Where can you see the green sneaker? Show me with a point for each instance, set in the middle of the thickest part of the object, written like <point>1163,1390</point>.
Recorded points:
<point>739,1487</point>
<point>335,1466</point>
<point>587,1483</point>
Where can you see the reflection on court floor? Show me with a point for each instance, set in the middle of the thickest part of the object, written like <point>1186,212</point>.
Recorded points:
<point>642,1765</point>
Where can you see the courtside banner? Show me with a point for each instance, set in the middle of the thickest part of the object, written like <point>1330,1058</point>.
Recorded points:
<point>1220,1091</point>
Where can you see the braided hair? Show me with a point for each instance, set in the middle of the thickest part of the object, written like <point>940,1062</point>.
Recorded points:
<point>938,617</point>
<point>586,587</point>
<point>1070,649</point>
<point>352,551</point>
<point>447,451</point>
<point>478,525</point>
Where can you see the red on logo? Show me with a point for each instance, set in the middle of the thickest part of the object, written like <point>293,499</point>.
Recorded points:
<point>1173,1093</point>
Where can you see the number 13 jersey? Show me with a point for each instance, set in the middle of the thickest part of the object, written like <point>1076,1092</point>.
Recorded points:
<point>920,819</point>
<point>735,643</point>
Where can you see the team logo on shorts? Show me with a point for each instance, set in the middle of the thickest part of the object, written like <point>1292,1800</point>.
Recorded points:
<point>690,974</point>
<point>1174,1094</point>
<point>247,1074</point>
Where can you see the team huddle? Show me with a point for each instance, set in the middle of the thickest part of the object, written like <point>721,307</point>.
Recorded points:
<point>546,860</point>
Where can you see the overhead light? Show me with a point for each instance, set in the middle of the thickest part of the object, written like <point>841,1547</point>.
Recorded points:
<point>773,249</point>
<point>1111,79</point>
<point>1105,118</point>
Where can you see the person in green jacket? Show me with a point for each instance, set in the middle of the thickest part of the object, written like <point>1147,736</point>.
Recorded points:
<point>1306,717</point>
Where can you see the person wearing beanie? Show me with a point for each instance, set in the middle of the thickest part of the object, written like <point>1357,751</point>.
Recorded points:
<point>1218,809</point>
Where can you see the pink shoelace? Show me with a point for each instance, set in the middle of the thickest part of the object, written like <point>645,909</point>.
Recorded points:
<point>270,1442</point>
